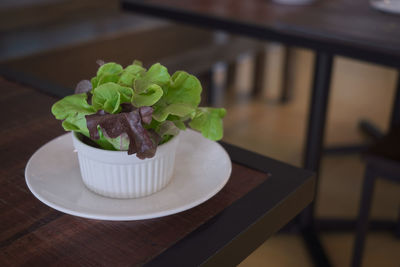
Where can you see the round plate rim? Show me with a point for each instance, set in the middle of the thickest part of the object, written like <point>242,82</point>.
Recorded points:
<point>120,217</point>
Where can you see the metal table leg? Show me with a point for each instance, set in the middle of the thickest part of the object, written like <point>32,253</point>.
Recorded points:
<point>313,149</point>
<point>317,113</point>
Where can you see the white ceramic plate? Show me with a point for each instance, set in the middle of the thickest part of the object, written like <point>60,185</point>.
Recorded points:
<point>202,169</point>
<point>391,6</point>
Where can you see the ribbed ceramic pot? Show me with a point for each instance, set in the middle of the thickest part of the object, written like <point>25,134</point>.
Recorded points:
<point>119,175</point>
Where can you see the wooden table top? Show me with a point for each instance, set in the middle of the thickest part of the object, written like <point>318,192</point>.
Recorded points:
<point>261,196</point>
<point>351,28</point>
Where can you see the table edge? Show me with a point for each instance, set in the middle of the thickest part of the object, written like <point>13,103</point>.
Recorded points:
<point>219,241</point>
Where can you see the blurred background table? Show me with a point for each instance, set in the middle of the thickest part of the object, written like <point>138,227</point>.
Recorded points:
<point>340,27</point>
<point>261,196</point>
<point>329,27</point>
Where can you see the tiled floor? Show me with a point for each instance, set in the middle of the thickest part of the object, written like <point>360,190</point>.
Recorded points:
<point>358,91</point>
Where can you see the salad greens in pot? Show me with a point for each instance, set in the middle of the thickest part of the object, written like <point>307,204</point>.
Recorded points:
<point>136,109</point>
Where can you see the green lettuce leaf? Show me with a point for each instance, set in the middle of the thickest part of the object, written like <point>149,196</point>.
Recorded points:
<point>72,110</point>
<point>109,69</point>
<point>110,96</point>
<point>149,98</point>
<point>168,128</point>
<point>181,96</point>
<point>157,74</point>
<point>109,72</point>
<point>130,74</point>
<point>180,121</point>
<point>120,143</point>
<point>209,122</point>
<point>94,81</point>
<point>72,107</point>
<point>104,142</point>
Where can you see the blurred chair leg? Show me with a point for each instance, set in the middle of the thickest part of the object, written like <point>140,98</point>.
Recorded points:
<point>370,129</point>
<point>231,74</point>
<point>217,78</point>
<point>204,79</point>
<point>259,72</point>
<point>286,84</point>
<point>363,216</point>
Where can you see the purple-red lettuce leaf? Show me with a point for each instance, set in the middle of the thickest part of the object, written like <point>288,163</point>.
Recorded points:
<point>83,86</point>
<point>100,62</point>
<point>146,114</point>
<point>141,141</point>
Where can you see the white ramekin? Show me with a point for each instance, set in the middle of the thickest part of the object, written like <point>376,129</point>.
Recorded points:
<point>119,175</point>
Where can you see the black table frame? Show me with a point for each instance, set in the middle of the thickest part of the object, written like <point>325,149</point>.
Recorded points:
<point>325,51</point>
<point>229,237</point>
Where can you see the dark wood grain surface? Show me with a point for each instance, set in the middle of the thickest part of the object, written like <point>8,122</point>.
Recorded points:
<point>33,234</point>
<point>352,28</point>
